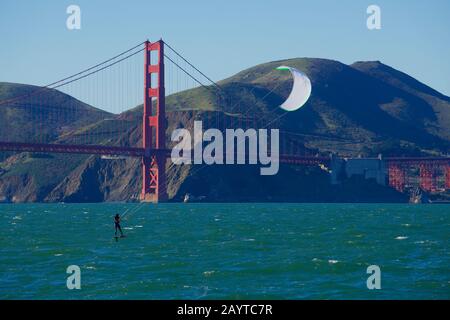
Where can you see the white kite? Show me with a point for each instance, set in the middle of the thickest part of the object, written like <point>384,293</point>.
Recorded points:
<point>301,90</point>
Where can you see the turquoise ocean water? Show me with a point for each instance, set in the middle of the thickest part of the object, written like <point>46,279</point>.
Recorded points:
<point>225,251</point>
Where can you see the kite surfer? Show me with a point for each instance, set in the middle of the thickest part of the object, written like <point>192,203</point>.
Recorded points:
<point>117,225</point>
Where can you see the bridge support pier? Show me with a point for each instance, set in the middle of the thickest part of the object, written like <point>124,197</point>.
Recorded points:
<point>427,182</point>
<point>153,126</point>
<point>396,176</point>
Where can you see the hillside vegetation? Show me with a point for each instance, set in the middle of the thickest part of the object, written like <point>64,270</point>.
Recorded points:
<point>359,109</point>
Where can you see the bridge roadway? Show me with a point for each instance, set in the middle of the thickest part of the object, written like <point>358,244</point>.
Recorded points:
<point>141,152</point>
<point>127,151</point>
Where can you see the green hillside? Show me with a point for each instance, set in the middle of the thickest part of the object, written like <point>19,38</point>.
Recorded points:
<point>362,109</point>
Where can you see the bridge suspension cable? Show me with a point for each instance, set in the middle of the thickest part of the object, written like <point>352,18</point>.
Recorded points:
<point>194,67</point>
<point>98,70</point>
<point>57,84</point>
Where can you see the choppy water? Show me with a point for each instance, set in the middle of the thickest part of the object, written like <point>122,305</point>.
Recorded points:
<point>202,251</point>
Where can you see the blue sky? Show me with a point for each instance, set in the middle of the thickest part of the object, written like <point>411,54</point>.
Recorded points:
<point>224,37</point>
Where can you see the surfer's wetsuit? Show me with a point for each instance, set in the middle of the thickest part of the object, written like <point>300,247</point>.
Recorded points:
<point>117,225</point>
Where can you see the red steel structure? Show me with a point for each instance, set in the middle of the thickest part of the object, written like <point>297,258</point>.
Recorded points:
<point>396,174</point>
<point>153,125</point>
<point>427,178</point>
<point>447,177</point>
<point>75,148</point>
<point>429,170</point>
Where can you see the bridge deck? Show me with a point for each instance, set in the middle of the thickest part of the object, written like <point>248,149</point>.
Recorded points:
<point>72,148</point>
<point>140,152</point>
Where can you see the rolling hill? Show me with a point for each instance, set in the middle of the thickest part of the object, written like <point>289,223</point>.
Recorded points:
<point>359,109</point>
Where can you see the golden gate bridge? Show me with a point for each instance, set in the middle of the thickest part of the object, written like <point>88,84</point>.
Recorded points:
<point>58,123</point>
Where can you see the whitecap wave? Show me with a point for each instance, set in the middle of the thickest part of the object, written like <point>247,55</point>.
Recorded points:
<point>331,261</point>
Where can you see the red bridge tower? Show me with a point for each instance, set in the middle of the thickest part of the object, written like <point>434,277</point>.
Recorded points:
<point>153,126</point>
